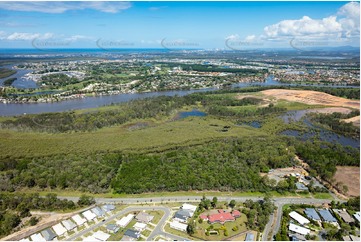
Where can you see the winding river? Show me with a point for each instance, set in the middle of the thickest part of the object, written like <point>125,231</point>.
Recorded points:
<point>13,109</point>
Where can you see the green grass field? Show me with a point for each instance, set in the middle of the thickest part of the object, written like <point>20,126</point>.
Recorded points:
<point>184,132</point>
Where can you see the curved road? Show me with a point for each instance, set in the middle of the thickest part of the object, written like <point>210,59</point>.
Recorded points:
<point>158,230</point>
<point>270,227</point>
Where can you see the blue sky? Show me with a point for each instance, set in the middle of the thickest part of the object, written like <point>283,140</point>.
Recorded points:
<point>207,25</point>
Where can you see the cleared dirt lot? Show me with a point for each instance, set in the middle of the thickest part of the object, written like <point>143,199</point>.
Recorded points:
<point>354,120</point>
<point>350,176</point>
<point>312,98</point>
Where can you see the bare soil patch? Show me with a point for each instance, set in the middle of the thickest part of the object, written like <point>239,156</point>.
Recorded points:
<point>354,120</point>
<point>349,176</point>
<point>312,98</point>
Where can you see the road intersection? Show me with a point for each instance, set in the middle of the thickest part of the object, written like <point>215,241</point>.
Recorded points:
<point>150,203</point>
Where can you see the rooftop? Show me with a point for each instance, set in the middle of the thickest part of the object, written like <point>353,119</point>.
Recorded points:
<point>132,233</point>
<point>312,214</point>
<point>221,217</point>
<point>144,217</point>
<point>299,218</point>
<point>249,237</point>
<point>298,229</point>
<point>344,215</point>
<point>327,216</point>
<point>48,234</point>
<point>112,227</point>
<point>68,224</point>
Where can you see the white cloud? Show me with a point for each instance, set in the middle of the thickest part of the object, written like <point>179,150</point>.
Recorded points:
<point>61,7</point>
<point>344,24</point>
<point>250,37</point>
<point>22,36</point>
<point>304,26</point>
<point>350,19</point>
<point>78,37</point>
<point>232,37</point>
<point>16,25</point>
<point>107,7</point>
<point>2,35</point>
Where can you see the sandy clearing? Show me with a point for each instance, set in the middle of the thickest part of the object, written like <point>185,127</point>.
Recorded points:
<point>48,219</point>
<point>354,120</point>
<point>349,176</point>
<point>312,98</point>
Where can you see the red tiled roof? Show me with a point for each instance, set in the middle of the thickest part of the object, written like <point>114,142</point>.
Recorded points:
<point>203,216</point>
<point>236,213</point>
<point>220,217</point>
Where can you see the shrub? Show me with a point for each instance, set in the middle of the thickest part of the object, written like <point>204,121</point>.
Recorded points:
<point>33,221</point>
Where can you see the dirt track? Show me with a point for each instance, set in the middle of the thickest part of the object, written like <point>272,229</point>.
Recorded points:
<point>312,98</point>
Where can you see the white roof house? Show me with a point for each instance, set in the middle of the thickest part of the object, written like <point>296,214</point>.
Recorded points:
<point>100,235</point>
<point>125,220</point>
<point>25,240</point>
<point>189,207</point>
<point>78,220</point>
<point>299,218</point>
<point>91,239</point>
<point>89,215</point>
<point>68,224</point>
<point>178,226</point>
<point>59,229</point>
<point>298,229</point>
<point>139,226</point>
<point>37,237</point>
<point>357,216</point>
<point>108,207</point>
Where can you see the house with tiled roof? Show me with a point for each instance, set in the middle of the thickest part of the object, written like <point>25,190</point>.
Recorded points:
<point>221,218</point>
<point>236,213</point>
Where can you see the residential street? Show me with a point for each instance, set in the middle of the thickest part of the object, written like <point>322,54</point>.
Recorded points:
<point>279,202</point>
<point>158,230</point>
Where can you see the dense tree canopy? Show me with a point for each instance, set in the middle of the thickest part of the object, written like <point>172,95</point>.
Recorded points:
<point>230,164</point>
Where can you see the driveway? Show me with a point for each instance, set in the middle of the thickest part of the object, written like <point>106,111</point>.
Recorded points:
<point>157,231</point>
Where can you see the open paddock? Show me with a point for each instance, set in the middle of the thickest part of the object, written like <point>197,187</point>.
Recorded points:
<point>349,176</point>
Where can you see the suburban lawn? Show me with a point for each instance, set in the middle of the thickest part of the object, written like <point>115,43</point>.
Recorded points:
<point>240,222</point>
<point>146,233</point>
<point>118,235</point>
<point>158,214</point>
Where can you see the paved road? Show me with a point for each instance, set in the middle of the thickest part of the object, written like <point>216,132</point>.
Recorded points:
<point>158,230</point>
<point>285,200</point>
<point>279,202</point>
